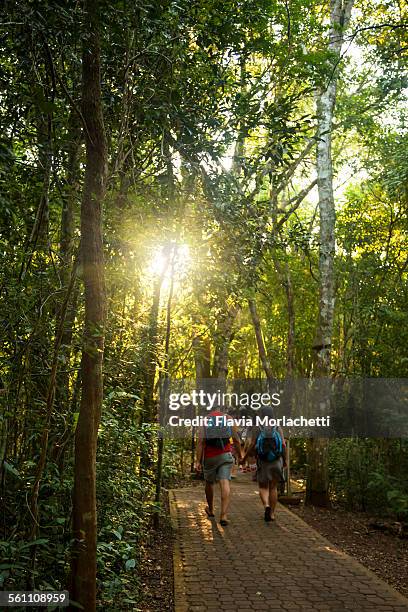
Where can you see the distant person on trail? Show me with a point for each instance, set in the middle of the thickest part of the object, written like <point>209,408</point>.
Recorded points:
<point>270,449</point>
<point>214,456</point>
<point>244,435</point>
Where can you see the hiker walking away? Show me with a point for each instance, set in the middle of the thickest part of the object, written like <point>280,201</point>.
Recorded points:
<point>214,446</point>
<point>244,433</point>
<point>236,457</point>
<point>270,448</point>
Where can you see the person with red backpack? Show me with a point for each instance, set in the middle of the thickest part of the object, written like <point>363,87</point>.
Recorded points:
<point>214,456</point>
<point>270,449</point>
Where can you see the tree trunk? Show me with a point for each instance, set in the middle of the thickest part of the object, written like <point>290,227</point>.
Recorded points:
<point>225,335</point>
<point>317,478</point>
<point>290,347</point>
<point>260,340</point>
<point>202,357</point>
<point>290,361</point>
<point>166,379</point>
<point>286,282</point>
<point>91,254</point>
<point>325,104</point>
<point>153,343</point>
<point>202,363</point>
<point>150,367</point>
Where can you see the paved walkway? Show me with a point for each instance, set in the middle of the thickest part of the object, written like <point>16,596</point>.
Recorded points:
<point>252,566</point>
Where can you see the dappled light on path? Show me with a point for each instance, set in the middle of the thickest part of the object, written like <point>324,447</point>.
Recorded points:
<point>251,565</point>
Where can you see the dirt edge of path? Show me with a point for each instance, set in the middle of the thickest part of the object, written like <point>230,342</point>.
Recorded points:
<point>384,554</point>
<point>156,571</point>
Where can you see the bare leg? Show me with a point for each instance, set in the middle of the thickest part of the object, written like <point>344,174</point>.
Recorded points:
<point>209,494</point>
<point>264,493</point>
<point>273,496</point>
<point>225,498</point>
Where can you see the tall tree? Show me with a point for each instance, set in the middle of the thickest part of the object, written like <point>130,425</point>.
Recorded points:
<point>92,264</point>
<point>340,12</point>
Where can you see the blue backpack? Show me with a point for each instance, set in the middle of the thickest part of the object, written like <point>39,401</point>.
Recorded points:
<point>269,445</point>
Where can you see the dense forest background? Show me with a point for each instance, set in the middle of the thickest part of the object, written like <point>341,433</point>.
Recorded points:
<point>251,162</point>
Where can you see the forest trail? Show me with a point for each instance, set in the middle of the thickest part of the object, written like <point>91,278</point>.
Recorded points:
<point>251,565</point>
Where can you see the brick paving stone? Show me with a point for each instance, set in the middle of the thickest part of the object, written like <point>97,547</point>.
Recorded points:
<point>251,565</point>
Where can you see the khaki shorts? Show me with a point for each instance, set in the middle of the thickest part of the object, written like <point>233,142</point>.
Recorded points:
<point>218,467</point>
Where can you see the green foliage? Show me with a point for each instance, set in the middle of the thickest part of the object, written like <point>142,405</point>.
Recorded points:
<point>370,475</point>
<point>394,491</point>
<point>209,114</point>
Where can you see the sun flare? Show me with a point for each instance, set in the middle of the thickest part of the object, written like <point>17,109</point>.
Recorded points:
<point>177,262</point>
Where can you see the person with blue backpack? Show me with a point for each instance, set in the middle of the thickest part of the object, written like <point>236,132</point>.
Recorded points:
<point>214,457</point>
<point>270,449</point>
